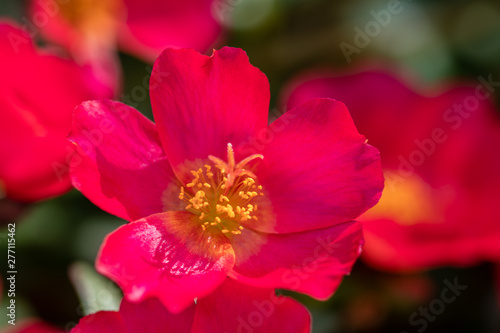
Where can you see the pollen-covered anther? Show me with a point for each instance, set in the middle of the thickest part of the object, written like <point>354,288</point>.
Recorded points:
<point>221,195</point>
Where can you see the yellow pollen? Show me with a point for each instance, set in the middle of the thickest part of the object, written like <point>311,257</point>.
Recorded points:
<point>221,194</point>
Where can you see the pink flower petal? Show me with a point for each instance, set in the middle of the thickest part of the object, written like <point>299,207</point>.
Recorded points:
<point>406,115</point>
<point>317,169</point>
<point>446,140</point>
<point>120,164</point>
<point>149,316</point>
<point>36,116</point>
<point>394,247</point>
<point>152,317</point>
<point>87,31</point>
<point>235,307</point>
<point>374,114</point>
<point>167,256</point>
<point>103,322</point>
<point>27,171</point>
<point>203,103</point>
<point>158,24</point>
<point>32,326</point>
<point>319,261</point>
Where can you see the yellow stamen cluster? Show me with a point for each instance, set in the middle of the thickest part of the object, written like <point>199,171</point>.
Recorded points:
<point>221,196</point>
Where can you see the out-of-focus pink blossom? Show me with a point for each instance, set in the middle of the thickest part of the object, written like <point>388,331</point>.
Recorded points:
<point>440,158</point>
<point>39,92</point>
<point>32,326</point>
<point>143,28</point>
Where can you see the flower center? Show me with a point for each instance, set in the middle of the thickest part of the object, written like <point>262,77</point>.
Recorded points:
<point>221,196</point>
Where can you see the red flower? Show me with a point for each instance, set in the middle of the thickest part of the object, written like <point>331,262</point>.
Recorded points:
<point>143,28</point>
<point>232,308</point>
<point>215,193</point>
<point>32,326</point>
<point>39,91</point>
<point>440,204</point>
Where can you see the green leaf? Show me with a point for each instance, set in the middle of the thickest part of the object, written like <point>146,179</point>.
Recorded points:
<point>96,293</point>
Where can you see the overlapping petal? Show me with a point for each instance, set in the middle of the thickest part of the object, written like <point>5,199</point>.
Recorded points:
<point>320,259</point>
<point>119,163</point>
<point>167,256</point>
<point>237,307</point>
<point>318,170</point>
<point>149,317</point>
<point>232,308</point>
<point>202,103</point>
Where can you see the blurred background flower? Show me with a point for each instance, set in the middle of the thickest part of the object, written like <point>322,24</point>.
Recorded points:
<point>92,30</point>
<point>39,92</point>
<point>441,167</point>
<point>432,50</point>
